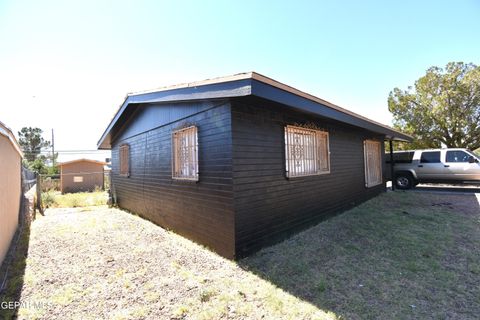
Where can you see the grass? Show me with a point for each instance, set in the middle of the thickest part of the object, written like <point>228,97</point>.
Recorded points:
<point>401,255</point>
<point>16,274</point>
<point>54,199</point>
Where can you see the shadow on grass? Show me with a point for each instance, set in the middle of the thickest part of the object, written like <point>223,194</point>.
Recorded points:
<point>13,268</point>
<point>400,255</point>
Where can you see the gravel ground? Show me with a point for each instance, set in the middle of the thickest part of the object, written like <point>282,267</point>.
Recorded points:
<point>101,263</point>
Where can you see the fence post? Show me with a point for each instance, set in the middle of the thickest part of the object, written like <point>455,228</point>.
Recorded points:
<point>39,195</point>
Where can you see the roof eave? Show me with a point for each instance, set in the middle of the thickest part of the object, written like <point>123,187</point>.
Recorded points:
<point>256,85</point>
<point>82,160</point>
<point>305,102</point>
<point>230,89</point>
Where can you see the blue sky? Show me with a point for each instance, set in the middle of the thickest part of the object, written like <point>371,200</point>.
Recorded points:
<point>67,65</point>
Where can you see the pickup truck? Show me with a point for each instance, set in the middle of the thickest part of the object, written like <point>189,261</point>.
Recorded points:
<point>452,165</point>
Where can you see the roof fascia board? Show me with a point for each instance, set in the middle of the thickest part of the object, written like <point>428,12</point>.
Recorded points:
<point>82,160</point>
<point>234,88</point>
<point>5,131</point>
<point>273,93</point>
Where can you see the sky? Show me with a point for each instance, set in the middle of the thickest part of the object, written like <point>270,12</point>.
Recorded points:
<point>67,65</point>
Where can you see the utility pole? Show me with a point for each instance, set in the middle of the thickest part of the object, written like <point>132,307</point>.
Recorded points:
<point>53,150</point>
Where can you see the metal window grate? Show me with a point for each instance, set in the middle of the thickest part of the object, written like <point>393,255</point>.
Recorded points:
<point>306,151</point>
<point>373,163</point>
<point>185,154</point>
<point>124,154</point>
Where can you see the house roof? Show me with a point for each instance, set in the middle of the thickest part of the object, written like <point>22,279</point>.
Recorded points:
<point>82,160</point>
<point>7,132</point>
<point>248,84</point>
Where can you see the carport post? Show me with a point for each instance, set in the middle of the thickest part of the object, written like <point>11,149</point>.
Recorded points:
<point>391,164</point>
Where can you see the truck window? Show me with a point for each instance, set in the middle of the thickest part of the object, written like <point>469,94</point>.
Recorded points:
<point>430,157</point>
<point>400,157</point>
<point>457,156</point>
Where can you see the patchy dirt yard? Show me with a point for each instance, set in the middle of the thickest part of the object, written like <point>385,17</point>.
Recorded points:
<point>101,263</point>
<point>400,255</point>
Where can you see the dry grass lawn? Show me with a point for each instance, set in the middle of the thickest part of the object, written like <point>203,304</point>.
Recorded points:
<point>55,199</point>
<point>401,255</point>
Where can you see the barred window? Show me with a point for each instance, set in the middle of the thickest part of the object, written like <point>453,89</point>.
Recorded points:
<point>185,154</point>
<point>124,154</point>
<point>306,151</point>
<point>373,163</point>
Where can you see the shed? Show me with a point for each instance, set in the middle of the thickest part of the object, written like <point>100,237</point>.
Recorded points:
<point>81,175</point>
<point>240,162</point>
<point>10,187</point>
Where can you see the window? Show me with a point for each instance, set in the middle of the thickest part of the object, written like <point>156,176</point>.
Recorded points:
<point>78,179</point>
<point>306,152</point>
<point>373,163</point>
<point>430,157</point>
<point>457,156</point>
<point>401,157</point>
<point>124,154</point>
<point>185,154</point>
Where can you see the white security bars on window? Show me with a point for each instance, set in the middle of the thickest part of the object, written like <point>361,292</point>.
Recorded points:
<point>306,152</point>
<point>185,154</point>
<point>373,163</point>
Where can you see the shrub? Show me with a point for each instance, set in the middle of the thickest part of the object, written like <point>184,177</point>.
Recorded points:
<point>73,200</point>
<point>48,199</point>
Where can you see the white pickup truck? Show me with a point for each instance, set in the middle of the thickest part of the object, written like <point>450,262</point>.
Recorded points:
<point>434,165</point>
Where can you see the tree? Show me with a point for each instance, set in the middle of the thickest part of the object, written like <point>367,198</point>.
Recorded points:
<point>32,142</point>
<point>38,165</point>
<point>444,107</point>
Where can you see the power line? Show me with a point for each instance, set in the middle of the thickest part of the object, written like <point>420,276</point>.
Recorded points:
<point>86,150</point>
<point>66,152</point>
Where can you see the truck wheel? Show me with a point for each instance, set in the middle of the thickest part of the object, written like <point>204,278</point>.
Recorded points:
<point>404,181</point>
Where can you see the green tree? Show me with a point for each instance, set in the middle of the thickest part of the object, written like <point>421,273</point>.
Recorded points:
<point>38,165</point>
<point>443,107</point>
<point>54,169</point>
<point>32,142</point>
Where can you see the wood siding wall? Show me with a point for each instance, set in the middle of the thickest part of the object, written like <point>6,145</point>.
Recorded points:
<point>91,173</point>
<point>10,192</point>
<point>201,211</point>
<point>268,206</point>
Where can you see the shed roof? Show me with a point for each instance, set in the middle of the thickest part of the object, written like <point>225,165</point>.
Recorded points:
<point>82,160</point>
<point>249,84</point>
<point>7,132</point>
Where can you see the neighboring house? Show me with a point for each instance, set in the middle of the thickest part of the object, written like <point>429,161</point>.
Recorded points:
<point>81,175</point>
<point>10,187</point>
<point>240,162</point>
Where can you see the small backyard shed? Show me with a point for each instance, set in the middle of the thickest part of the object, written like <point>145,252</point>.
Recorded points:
<point>239,162</point>
<point>81,175</point>
<point>10,187</point>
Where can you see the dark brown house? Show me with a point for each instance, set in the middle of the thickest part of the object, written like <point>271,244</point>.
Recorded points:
<point>81,175</point>
<point>240,162</point>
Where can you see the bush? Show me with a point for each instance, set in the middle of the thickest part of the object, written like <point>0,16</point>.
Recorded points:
<point>48,199</point>
<point>73,200</point>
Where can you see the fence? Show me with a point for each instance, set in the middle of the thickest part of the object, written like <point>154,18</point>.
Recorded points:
<point>29,179</point>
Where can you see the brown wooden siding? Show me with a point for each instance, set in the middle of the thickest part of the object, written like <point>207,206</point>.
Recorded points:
<point>268,206</point>
<point>91,173</point>
<point>201,211</point>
